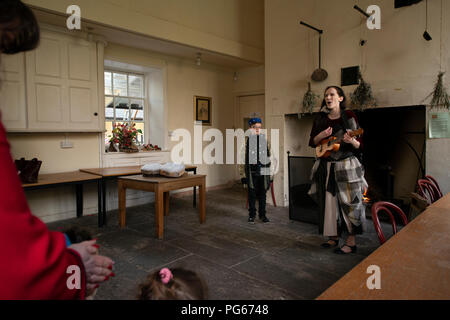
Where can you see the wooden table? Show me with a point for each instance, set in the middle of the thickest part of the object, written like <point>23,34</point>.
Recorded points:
<point>76,178</point>
<point>414,264</point>
<point>161,187</point>
<point>112,173</point>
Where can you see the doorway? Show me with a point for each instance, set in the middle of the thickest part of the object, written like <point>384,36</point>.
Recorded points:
<point>250,106</point>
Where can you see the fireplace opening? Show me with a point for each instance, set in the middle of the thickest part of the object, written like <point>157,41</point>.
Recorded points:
<point>393,152</point>
<point>393,157</point>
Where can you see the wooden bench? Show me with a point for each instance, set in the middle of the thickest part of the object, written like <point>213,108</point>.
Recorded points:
<point>161,187</point>
<point>76,178</point>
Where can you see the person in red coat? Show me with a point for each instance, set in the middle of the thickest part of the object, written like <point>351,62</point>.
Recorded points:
<point>35,262</point>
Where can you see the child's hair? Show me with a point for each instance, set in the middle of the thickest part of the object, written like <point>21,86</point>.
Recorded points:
<point>19,29</point>
<point>77,234</point>
<point>174,284</point>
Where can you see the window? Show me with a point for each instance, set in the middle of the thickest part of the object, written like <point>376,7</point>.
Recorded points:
<point>124,101</point>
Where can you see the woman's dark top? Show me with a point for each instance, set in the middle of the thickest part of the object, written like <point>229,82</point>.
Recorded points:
<point>322,122</point>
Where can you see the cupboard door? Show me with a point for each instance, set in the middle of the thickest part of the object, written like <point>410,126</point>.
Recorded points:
<point>12,91</point>
<point>62,84</point>
<point>46,83</point>
<point>83,109</point>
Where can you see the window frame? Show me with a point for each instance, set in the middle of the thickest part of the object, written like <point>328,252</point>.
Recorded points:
<point>145,100</point>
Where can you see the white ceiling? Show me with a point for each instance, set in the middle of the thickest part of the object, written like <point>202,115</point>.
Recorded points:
<point>135,40</point>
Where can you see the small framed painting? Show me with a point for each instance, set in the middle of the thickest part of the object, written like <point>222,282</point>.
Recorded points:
<point>203,110</point>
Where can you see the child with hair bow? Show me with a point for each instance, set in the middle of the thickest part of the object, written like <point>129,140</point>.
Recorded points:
<point>175,284</point>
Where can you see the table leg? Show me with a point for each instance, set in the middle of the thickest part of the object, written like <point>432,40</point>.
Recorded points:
<point>99,196</point>
<point>195,191</point>
<point>202,206</point>
<point>166,203</point>
<point>122,203</point>
<point>79,193</point>
<point>195,197</point>
<point>104,200</point>
<point>159,208</point>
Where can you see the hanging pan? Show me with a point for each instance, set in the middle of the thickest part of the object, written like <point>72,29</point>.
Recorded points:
<point>318,74</point>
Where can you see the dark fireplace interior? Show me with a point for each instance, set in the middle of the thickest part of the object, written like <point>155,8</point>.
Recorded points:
<point>393,152</point>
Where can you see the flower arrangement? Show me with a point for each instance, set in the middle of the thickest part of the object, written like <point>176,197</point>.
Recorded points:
<point>150,147</point>
<point>125,135</point>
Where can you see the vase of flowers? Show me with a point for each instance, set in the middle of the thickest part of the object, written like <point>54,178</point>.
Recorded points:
<point>125,135</point>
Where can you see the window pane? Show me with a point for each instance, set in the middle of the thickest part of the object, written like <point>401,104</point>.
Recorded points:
<point>136,86</point>
<point>137,109</point>
<point>140,137</point>
<point>122,109</point>
<point>108,133</point>
<point>120,84</point>
<point>108,88</point>
<point>109,108</point>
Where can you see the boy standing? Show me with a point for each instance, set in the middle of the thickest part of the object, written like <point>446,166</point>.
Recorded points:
<point>255,170</point>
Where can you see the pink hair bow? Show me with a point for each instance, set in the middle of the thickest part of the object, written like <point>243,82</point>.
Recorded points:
<point>166,275</point>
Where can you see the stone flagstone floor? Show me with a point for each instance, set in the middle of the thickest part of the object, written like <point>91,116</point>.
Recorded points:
<point>278,260</point>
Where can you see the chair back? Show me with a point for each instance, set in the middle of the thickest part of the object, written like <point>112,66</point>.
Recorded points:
<point>433,181</point>
<point>389,208</point>
<point>428,190</point>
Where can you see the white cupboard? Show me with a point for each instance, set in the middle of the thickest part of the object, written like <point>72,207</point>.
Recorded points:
<point>12,91</point>
<point>54,88</point>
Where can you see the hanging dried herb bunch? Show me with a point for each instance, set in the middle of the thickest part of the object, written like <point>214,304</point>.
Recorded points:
<point>362,97</point>
<point>440,95</point>
<point>309,100</point>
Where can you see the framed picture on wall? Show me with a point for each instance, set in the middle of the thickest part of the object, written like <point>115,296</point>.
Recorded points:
<point>203,110</point>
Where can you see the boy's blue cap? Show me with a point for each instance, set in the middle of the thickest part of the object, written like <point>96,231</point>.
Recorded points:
<point>252,121</point>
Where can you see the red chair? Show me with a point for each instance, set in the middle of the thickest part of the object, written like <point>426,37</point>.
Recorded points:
<point>428,190</point>
<point>432,180</point>
<point>389,208</point>
<point>273,195</point>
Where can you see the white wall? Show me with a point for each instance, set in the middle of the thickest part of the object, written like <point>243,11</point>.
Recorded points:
<point>46,146</point>
<point>399,64</point>
<point>250,80</point>
<point>231,27</point>
<point>59,203</point>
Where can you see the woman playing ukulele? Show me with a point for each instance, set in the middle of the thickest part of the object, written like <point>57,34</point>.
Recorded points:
<point>338,180</point>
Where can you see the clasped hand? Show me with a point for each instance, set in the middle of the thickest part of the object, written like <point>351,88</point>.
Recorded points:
<point>98,268</point>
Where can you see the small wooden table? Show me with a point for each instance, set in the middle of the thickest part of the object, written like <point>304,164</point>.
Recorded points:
<point>161,187</point>
<point>414,264</point>
<point>76,178</point>
<point>112,173</point>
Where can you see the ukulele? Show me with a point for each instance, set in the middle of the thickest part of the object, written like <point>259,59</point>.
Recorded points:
<point>332,144</point>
